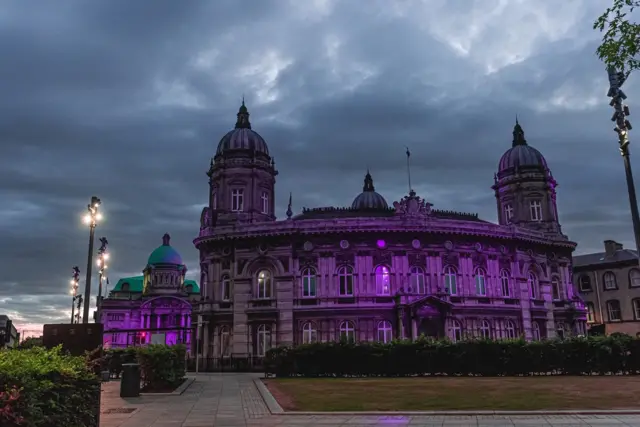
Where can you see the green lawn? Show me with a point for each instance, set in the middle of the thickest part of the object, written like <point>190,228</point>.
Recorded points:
<point>445,393</point>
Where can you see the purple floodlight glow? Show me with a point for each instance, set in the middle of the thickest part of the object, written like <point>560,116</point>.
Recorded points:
<point>381,243</point>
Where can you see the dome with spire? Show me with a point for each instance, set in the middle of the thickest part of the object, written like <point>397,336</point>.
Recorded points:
<point>369,199</point>
<point>242,137</point>
<point>521,154</point>
<point>165,254</point>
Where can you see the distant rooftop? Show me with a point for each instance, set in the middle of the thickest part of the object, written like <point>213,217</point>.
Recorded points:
<point>613,253</point>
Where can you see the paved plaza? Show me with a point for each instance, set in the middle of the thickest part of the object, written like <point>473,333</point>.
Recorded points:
<point>231,400</point>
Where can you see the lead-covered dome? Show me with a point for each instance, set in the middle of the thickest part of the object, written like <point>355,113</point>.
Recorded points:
<point>242,137</point>
<point>369,199</point>
<point>521,155</point>
<point>165,254</point>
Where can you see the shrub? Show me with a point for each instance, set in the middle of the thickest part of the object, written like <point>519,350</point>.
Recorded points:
<point>43,388</point>
<point>162,366</point>
<point>616,354</point>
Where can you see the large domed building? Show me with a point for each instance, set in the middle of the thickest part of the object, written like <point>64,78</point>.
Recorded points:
<point>154,307</point>
<point>376,271</point>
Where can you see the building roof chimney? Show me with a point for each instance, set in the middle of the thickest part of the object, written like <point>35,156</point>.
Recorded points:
<point>611,247</point>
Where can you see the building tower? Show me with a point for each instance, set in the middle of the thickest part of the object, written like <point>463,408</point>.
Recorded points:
<point>525,189</point>
<point>165,271</point>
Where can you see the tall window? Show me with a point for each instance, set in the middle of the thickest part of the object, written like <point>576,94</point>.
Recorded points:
<point>636,309</point>
<point>264,284</point>
<point>237,200</point>
<point>225,341</point>
<point>345,279</point>
<point>536,210</point>
<point>308,282</point>
<point>264,199</point>
<point>510,330</point>
<point>264,339</point>
<point>347,331</point>
<point>456,331</point>
<point>226,288</point>
<point>609,279</point>
<point>485,330</point>
<point>591,312</point>
<point>585,283</point>
<point>634,278</point>
<point>504,283</point>
<point>613,310</point>
<point>309,333</point>
<point>532,282</point>
<point>416,280</point>
<point>508,212</point>
<point>214,200</point>
<point>384,331</point>
<point>383,280</point>
<point>479,278</point>
<point>450,283</point>
<point>535,331</point>
<point>555,288</point>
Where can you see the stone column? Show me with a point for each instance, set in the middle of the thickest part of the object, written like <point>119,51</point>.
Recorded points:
<point>241,300</point>
<point>284,295</point>
<point>205,339</point>
<point>414,329</point>
<point>525,307</point>
<point>545,289</point>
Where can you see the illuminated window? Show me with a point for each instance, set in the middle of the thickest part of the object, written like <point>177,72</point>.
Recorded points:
<point>532,283</point>
<point>383,280</point>
<point>479,278</point>
<point>504,283</point>
<point>416,280</point>
<point>384,331</point>
<point>264,339</point>
<point>309,333</point>
<point>450,280</point>
<point>308,282</point>
<point>347,331</point>
<point>264,284</point>
<point>345,279</point>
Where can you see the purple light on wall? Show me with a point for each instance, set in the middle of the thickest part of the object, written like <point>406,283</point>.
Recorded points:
<point>381,243</point>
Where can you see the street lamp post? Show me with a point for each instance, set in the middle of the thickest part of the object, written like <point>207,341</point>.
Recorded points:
<point>103,256</point>
<point>91,219</point>
<point>75,280</point>
<point>621,111</point>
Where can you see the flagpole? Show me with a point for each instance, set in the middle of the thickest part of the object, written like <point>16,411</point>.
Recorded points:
<point>409,169</point>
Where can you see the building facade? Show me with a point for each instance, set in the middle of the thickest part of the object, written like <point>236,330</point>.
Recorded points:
<point>609,283</point>
<point>9,336</point>
<point>374,271</point>
<point>152,308</point>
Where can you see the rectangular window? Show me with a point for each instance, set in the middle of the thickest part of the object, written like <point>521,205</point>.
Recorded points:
<point>590,313</point>
<point>309,286</point>
<point>237,200</point>
<point>613,309</point>
<point>264,199</point>
<point>115,317</point>
<point>508,212</point>
<point>214,200</point>
<point>536,210</point>
<point>636,308</point>
<point>346,285</point>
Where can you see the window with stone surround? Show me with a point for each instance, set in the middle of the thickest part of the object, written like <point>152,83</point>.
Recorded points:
<point>591,312</point>
<point>309,333</point>
<point>535,330</point>
<point>264,339</point>
<point>450,280</point>
<point>345,280</point>
<point>535,207</point>
<point>508,212</point>
<point>237,200</point>
<point>609,281</point>
<point>214,200</point>
<point>383,280</point>
<point>384,331</point>
<point>585,283</point>
<point>635,303</point>
<point>634,278</point>
<point>532,283</point>
<point>225,341</point>
<point>613,310</point>
<point>264,284</point>
<point>485,330</point>
<point>225,291</point>
<point>417,280</point>
<point>264,202</point>
<point>347,331</point>
<point>556,293</point>
<point>456,330</point>
<point>309,282</point>
<point>510,330</point>
<point>505,285</point>
<point>479,277</point>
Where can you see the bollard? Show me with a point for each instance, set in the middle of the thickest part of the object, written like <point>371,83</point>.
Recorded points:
<point>130,383</point>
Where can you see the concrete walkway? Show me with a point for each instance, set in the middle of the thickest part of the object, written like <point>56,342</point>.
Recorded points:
<point>231,400</point>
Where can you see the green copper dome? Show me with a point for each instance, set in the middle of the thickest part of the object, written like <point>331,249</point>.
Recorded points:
<point>165,254</point>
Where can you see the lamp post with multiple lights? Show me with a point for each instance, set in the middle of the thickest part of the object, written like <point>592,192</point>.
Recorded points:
<point>75,281</point>
<point>621,111</point>
<point>91,219</point>
<point>103,256</point>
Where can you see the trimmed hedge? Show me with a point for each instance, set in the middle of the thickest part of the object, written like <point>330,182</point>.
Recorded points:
<point>617,354</point>
<point>44,388</point>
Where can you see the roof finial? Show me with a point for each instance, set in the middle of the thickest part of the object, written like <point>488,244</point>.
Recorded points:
<point>518,135</point>
<point>289,211</point>
<point>243,117</point>
<point>368,182</point>
<point>165,239</point>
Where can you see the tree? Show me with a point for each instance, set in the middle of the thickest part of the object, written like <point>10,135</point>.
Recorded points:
<point>621,39</point>
<point>30,342</point>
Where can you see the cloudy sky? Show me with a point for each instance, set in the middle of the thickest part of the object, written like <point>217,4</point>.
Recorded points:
<point>127,100</point>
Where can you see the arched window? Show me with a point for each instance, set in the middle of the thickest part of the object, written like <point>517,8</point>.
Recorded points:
<point>510,330</point>
<point>590,312</point>
<point>416,280</point>
<point>505,287</point>
<point>384,331</point>
<point>308,282</point>
<point>345,279</point>
<point>634,278</point>
<point>532,282</point>
<point>555,288</point>
<point>264,339</point>
<point>485,330</point>
<point>450,276</point>
<point>609,280</point>
<point>479,278</point>
<point>347,331</point>
<point>535,331</point>
<point>383,280</point>
<point>585,283</point>
<point>225,341</point>
<point>613,310</point>
<point>456,331</point>
<point>264,284</point>
<point>226,288</point>
<point>309,333</point>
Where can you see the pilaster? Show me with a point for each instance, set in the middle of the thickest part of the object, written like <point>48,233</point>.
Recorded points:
<point>284,295</point>
<point>545,288</point>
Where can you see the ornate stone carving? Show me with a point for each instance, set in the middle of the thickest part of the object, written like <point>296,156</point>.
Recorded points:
<point>412,205</point>
<point>479,261</point>
<point>382,257</point>
<point>285,263</point>
<point>417,260</point>
<point>345,258</point>
<point>308,261</point>
<point>450,258</point>
<point>241,264</point>
<point>505,263</point>
<point>521,265</point>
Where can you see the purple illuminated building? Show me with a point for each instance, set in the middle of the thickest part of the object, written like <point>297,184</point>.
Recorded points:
<point>153,308</point>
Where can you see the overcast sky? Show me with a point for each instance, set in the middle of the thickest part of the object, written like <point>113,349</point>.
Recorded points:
<point>127,100</point>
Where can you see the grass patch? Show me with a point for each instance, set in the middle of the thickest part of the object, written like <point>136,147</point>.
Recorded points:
<point>446,393</point>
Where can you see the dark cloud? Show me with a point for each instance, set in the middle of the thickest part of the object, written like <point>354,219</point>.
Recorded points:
<point>127,101</point>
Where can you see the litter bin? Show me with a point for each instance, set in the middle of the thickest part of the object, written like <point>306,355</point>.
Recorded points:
<point>130,383</point>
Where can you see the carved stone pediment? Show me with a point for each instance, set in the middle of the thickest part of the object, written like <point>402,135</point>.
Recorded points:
<point>479,260</point>
<point>450,258</point>
<point>308,261</point>
<point>412,205</point>
<point>417,260</point>
<point>382,258</point>
<point>345,258</point>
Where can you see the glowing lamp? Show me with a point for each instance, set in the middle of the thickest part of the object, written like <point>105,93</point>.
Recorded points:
<point>381,243</point>
<point>87,219</point>
<point>99,216</point>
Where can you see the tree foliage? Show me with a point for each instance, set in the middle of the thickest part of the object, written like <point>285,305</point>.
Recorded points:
<point>621,38</point>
